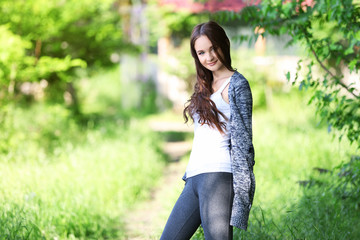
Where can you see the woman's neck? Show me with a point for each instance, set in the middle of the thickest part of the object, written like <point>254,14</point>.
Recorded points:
<point>221,74</point>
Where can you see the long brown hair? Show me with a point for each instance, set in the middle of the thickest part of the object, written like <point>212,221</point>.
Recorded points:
<point>200,101</point>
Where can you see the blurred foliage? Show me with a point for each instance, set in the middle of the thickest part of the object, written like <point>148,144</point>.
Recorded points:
<point>330,32</point>
<point>181,64</point>
<point>83,189</point>
<point>36,132</point>
<point>348,186</point>
<point>115,96</point>
<point>43,130</point>
<point>176,29</point>
<point>47,40</point>
<point>61,179</point>
<point>262,80</point>
<point>164,23</point>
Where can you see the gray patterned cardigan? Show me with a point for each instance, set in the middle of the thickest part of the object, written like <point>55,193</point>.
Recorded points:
<point>242,150</point>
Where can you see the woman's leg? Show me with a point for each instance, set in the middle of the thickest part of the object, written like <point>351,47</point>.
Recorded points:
<point>185,216</point>
<point>216,196</point>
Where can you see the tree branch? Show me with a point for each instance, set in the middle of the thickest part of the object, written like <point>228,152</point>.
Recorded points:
<point>326,69</point>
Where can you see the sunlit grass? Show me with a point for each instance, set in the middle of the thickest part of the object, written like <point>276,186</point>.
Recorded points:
<point>65,178</point>
<point>84,193</point>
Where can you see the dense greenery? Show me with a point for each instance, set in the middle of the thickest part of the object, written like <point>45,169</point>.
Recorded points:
<point>164,23</point>
<point>43,42</point>
<point>73,161</point>
<point>65,180</point>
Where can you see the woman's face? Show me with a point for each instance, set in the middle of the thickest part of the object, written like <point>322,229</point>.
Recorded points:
<point>206,54</point>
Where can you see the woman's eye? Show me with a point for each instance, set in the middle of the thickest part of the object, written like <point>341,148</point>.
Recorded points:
<point>201,53</point>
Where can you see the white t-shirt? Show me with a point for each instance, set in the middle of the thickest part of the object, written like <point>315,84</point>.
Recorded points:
<point>211,149</point>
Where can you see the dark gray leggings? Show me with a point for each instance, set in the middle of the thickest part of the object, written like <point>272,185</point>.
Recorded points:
<point>206,200</point>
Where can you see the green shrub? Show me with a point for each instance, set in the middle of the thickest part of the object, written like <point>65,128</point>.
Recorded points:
<point>47,40</point>
<point>12,55</point>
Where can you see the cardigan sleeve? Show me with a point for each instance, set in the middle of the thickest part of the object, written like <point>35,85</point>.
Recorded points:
<point>242,152</point>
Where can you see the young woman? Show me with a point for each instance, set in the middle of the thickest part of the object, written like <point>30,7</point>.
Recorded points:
<point>220,183</point>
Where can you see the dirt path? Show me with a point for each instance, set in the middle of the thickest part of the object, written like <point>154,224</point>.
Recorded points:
<point>148,219</point>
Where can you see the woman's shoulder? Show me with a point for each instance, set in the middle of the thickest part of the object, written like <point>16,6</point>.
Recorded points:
<point>237,79</point>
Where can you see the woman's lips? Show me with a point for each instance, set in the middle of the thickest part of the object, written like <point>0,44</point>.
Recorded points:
<point>212,63</point>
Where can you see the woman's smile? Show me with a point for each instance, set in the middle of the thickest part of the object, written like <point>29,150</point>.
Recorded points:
<point>212,63</point>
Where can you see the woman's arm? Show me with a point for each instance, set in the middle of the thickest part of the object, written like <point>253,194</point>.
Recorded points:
<point>242,151</point>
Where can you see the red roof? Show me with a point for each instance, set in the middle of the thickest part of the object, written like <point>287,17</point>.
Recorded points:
<point>210,5</point>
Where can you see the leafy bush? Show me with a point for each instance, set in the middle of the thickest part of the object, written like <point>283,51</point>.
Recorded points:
<point>12,54</point>
<point>47,40</point>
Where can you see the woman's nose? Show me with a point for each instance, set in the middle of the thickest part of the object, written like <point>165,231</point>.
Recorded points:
<point>210,57</point>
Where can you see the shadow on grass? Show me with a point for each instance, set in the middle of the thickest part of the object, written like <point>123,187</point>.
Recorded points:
<point>175,136</point>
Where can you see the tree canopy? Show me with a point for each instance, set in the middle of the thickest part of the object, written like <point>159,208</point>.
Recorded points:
<point>47,40</point>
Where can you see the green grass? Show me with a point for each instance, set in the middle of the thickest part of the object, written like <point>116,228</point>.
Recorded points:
<point>61,178</point>
<point>85,193</point>
<point>289,144</point>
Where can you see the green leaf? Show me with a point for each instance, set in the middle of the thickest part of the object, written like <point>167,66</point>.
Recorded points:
<point>352,64</point>
<point>288,76</point>
<point>283,30</point>
<point>349,50</point>
<point>357,35</point>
